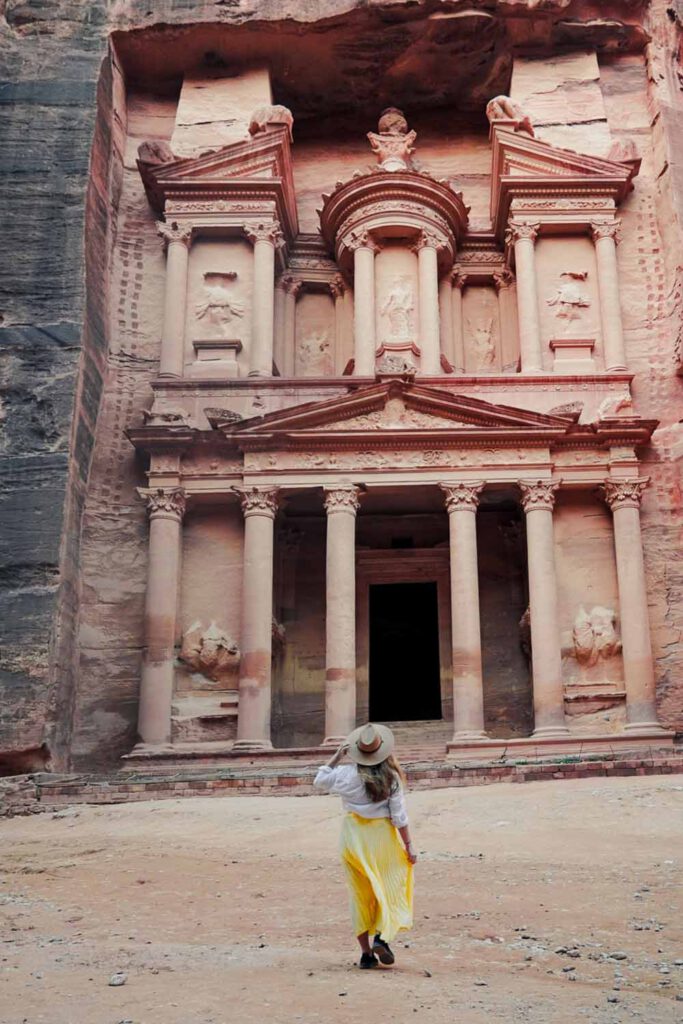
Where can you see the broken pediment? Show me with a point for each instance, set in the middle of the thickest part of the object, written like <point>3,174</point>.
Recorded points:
<point>257,167</point>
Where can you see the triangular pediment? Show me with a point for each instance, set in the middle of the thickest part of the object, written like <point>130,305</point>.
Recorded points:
<point>390,409</point>
<point>262,162</point>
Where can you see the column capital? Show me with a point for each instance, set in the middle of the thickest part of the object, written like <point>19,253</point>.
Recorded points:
<point>624,493</point>
<point>463,495</point>
<point>362,239</point>
<point>342,499</point>
<point>538,494</point>
<point>337,286</point>
<point>427,240</point>
<point>258,501</point>
<point>175,231</point>
<point>516,232</point>
<point>606,229</point>
<point>458,278</point>
<point>291,285</point>
<point>165,502</point>
<point>264,231</point>
<point>503,279</point>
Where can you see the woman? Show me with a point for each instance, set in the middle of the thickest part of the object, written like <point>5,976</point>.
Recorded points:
<point>379,870</point>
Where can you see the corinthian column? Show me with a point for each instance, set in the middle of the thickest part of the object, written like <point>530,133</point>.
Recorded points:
<point>502,280</point>
<point>341,505</point>
<point>624,497</point>
<point>605,237</point>
<point>166,509</point>
<point>264,238</point>
<point>458,280</point>
<point>523,237</point>
<point>426,248</point>
<point>292,287</point>
<point>538,500</point>
<point>259,505</point>
<point>338,290</point>
<point>178,239</point>
<point>364,248</point>
<point>462,500</point>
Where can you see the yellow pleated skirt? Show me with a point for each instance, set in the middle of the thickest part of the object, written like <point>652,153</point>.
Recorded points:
<point>379,876</point>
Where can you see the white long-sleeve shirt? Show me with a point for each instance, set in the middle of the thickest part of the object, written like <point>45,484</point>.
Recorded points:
<point>344,781</point>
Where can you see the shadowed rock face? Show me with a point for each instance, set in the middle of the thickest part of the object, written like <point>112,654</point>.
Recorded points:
<point>61,166</point>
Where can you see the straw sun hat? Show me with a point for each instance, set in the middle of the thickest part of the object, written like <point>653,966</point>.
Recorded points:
<point>370,744</point>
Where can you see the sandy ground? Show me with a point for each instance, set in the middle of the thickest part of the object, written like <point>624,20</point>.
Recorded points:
<point>234,910</point>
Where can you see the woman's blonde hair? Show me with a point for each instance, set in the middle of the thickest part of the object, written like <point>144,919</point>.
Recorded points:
<point>382,780</point>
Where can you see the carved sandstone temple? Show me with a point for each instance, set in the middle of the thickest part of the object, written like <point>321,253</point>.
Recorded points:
<point>383,430</point>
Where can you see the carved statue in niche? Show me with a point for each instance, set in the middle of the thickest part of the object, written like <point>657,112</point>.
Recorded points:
<point>314,350</point>
<point>394,143</point>
<point>270,116</point>
<point>399,309</point>
<point>396,366</point>
<point>594,635</point>
<point>483,343</point>
<point>219,307</point>
<point>211,652</point>
<point>504,108</point>
<point>569,298</point>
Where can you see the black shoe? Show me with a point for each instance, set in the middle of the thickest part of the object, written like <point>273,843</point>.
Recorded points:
<point>367,961</point>
<point>381,948</point>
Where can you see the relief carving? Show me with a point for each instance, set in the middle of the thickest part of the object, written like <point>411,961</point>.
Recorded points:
<point>569,298</point>
<point>483,343</point>
<point>165,414</point>
<point>211,652</point>
<point>394,143</point>
<point>504,108</point>
<point>314,351</point>
<point>399,310</point>
<point>219,307</point>
<point>594,635</point>
<point>396,366</point>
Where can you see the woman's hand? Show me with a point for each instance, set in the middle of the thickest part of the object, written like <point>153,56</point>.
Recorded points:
<point>411,855</point>
<point>339,753</point>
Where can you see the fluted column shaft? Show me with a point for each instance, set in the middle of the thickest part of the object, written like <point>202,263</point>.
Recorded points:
<point>428,279</point>
<point>264,238</point>
<point>462,500</point>
<point>605,240</point>
<point>624,497</point>
<point>459,281</point>
<point>178,239</point>
<point>538,499</point>
<point>259,505</point>
<point>523,237</point>
<point>364,329</point>
<point>341,505</point>
<point>166,509</point>
<point>292,287</point>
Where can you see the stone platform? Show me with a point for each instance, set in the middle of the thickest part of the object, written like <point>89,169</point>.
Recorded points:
<point>29,794</point>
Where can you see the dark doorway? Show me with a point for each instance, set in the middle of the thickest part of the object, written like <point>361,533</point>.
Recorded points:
<point>404,652</point>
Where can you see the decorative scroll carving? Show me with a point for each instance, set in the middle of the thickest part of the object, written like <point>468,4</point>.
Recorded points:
<point>337,287</point>
<point>614,405</point>
<point>342,499</point>
<point>261,501</point>
<point>594,635</point>
<point>265,231</point>
<point>219,307</point>
<point>462,496</point>
<point>274,115</point>
<point>538,494</point>
<point>515,232</point>
<point>569,298</point>
<point>427,240</point>
<point>606,229</point>
<point>624,493</point>
<point>173,231</point>
<point>211,652</point>
<point>504,108</point>
<point>399,310</point>
<point>168,502</point>
<point>394,143</point>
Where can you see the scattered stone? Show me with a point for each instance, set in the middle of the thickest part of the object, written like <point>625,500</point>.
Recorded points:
<point>482,984</point>
<point>612,999</point>
<point>427,973</point>
<point>120,978</point>
<point>570,967</point>
<point>619,955</point>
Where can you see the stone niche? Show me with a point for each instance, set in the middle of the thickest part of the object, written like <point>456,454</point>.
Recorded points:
<point>315,354</point>
<point>219,308</point>
<point>481,331</point>
<point>396,306</point>
<point>592,666</point>
<point>569,305</point>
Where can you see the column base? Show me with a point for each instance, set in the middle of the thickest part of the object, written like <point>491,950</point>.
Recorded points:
<point>549,732</point>
<point>470,736</point>
<point>649,728</point>
<point>249,746</point>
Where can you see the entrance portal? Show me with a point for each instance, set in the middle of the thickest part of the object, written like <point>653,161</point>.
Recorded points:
<point>404,652</point>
